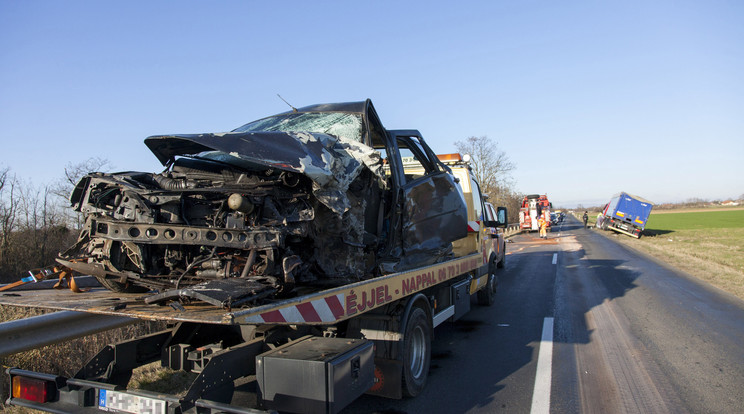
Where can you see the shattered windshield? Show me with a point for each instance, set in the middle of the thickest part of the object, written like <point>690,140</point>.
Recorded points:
<point>339,124</point>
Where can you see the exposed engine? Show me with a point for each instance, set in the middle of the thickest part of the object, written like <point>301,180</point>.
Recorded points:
<point>207,230</point>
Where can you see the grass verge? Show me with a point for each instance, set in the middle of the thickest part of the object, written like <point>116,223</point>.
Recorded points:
<point>708,245</point>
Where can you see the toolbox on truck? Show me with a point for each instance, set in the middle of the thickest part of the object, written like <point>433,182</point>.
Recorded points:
<point>461,298</point>
<point>315,374</point>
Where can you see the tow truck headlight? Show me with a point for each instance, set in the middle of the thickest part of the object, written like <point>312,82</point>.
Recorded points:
<point>31,389</point>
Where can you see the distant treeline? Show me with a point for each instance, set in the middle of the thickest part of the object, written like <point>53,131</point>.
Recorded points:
<point>36,223</point>
<point>700,203</point>
<point>689,203</point>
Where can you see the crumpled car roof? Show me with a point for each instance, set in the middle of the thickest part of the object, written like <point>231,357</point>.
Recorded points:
<point>331,163</point>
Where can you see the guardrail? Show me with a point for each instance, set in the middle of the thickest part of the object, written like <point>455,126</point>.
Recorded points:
<point>37,331</point>
<point>511,229</point>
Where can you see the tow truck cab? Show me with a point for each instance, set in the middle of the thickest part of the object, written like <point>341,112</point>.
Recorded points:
<point>483,219</point>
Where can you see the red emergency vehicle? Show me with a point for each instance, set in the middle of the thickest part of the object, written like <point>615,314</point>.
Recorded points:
<point>533,207</point>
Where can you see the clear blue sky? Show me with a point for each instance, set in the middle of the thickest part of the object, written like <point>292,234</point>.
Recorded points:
<point>586,98</point>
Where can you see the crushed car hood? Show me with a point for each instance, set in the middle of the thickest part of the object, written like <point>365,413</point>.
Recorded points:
<point>331,163</point>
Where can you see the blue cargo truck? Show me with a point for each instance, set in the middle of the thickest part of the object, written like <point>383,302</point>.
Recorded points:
<point>627,214</point>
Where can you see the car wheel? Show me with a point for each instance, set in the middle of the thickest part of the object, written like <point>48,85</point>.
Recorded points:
<point>118,287</point>
<point>122,256</point>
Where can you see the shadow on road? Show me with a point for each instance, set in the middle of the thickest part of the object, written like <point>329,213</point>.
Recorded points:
<point>486,361</point>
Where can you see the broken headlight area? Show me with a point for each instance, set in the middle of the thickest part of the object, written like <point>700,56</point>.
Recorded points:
<point>222,233</point>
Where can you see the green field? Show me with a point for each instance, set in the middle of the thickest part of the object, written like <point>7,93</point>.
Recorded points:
<point>695,220</point>
<point>708,245</point>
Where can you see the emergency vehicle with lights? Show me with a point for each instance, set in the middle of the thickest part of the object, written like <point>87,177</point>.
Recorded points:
<point>316,351</point>
<point>533,207</point>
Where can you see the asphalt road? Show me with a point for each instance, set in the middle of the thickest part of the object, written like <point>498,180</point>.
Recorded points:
<point>629,335</point>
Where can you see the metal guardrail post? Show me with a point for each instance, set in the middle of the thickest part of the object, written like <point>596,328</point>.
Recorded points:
<point>511,229</point>
<point>37,331</point>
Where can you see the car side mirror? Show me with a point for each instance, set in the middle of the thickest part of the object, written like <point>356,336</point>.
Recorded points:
<point>501,217</point>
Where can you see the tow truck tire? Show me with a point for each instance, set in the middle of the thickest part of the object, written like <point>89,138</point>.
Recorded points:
<point>486,295</point>
<point>501,263</point>
<point>416,352</point>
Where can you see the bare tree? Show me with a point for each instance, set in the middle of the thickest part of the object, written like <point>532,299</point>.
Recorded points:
<point>510,199</point>
<point>43,230</point>
<point>8,214</point>
<point>491,166</point>
<point>32,226</point>
<point>73,173</point>
<point>492,169</point>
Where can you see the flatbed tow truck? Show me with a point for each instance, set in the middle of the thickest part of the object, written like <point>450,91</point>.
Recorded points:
<point>396,312</point>
<point>338,326</point>
<point>315,351</point>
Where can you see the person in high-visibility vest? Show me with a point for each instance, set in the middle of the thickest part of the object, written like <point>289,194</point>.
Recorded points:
<point>543,225</point>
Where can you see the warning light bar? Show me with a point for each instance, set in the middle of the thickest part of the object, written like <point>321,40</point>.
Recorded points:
<point>455,157</point>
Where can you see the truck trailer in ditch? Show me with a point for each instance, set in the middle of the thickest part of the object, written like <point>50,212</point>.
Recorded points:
<point>627,214</point>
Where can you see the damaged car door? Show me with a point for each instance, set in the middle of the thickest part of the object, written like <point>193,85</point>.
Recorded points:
<point>433,209</point>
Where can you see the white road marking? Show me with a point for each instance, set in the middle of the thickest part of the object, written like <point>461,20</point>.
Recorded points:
<point>543,377</point>
<point>555,258</point>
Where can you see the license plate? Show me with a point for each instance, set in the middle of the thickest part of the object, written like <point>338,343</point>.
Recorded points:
<point>116,401</point>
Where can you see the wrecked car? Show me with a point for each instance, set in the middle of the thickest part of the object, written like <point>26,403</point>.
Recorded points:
<point>311,198</point>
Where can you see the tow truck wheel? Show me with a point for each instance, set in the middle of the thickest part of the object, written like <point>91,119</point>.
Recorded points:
<point>416,352</point>
<point>486,295</point>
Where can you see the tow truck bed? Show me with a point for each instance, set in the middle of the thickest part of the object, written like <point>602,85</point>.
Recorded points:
<point>102,301</point>
<point>315,308</point>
